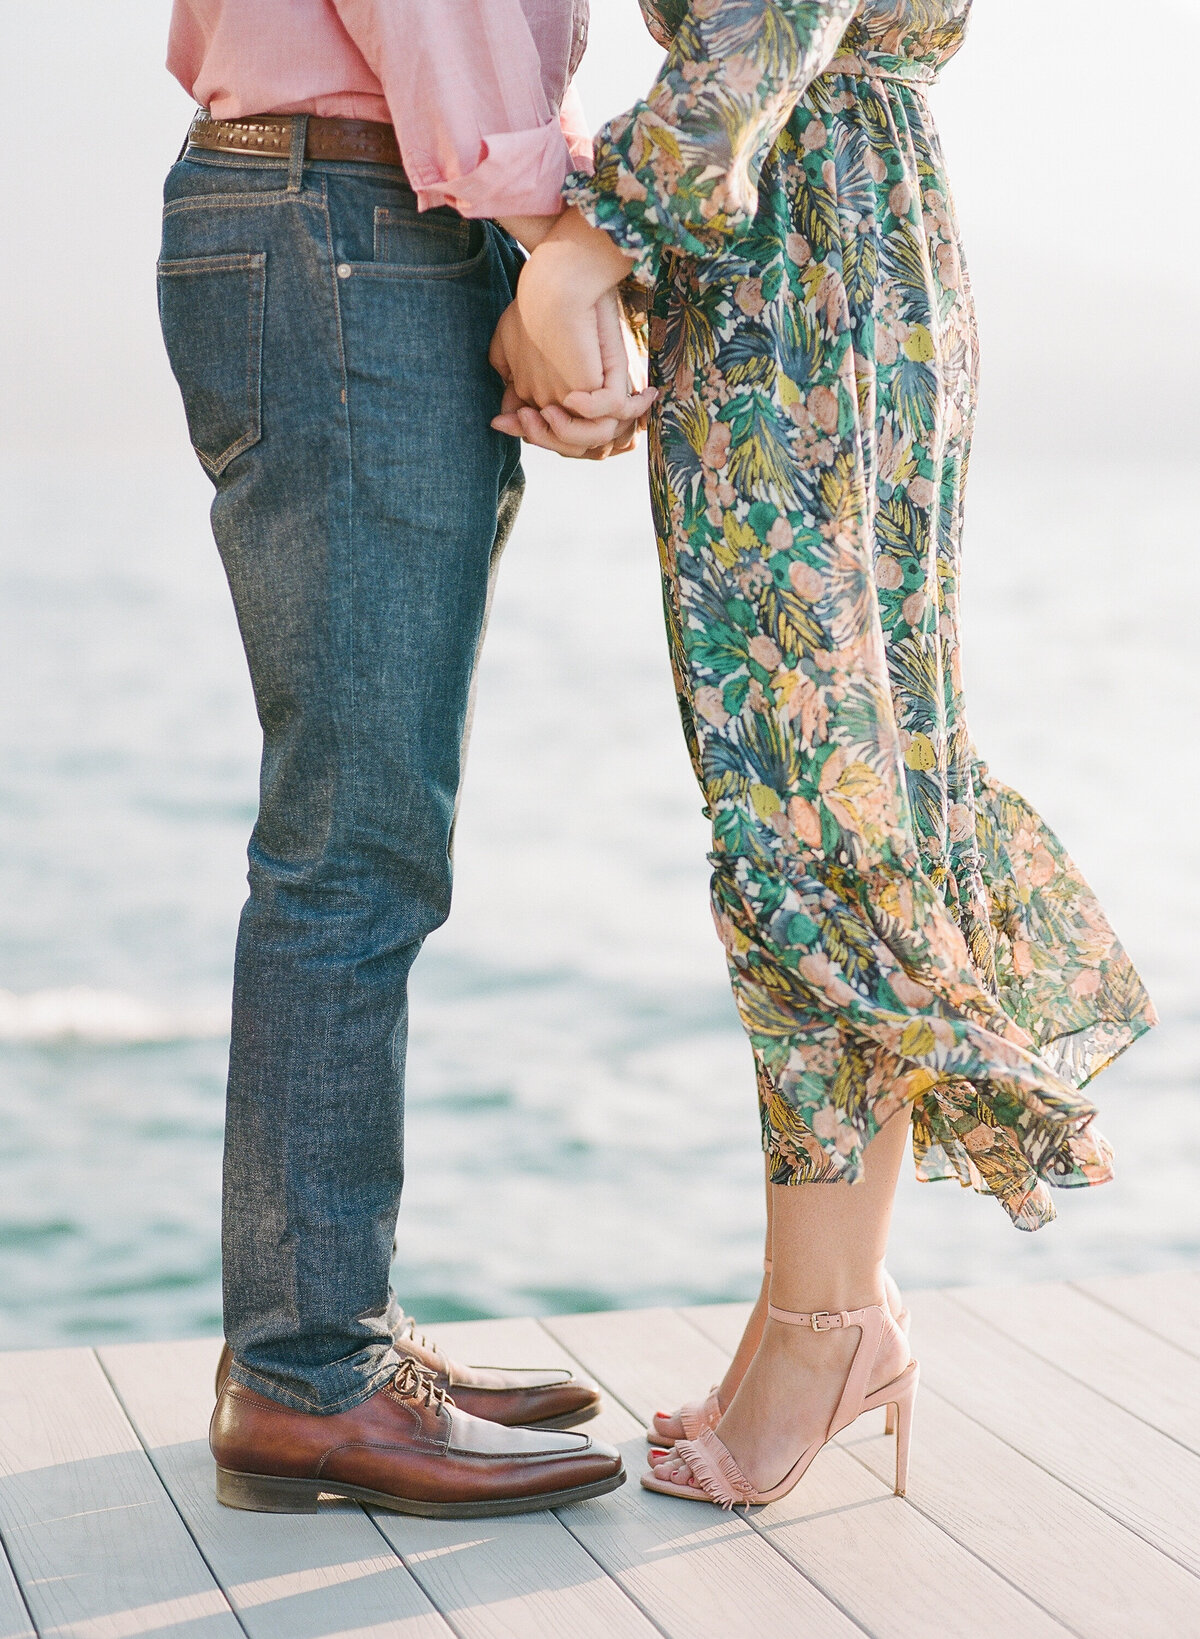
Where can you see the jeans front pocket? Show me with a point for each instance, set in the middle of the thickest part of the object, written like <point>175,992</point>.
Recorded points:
<point>438,242</point>
<point>211,310</point>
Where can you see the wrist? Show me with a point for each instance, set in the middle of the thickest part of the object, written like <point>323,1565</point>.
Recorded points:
<point>586,256</point>
<point>527,230</point>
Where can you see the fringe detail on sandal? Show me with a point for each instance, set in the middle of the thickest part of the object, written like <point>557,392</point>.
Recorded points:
<point>712,1464</point>
<point>700,1415</point>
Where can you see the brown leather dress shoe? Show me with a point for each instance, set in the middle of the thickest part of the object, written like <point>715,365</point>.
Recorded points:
<point>407,1448</point>
<point>515,1397</point>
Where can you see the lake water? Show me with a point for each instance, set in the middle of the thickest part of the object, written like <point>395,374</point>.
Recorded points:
<point>581,1128</point>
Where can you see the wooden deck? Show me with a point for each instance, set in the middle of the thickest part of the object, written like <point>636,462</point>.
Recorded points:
<point>1055,1491</point>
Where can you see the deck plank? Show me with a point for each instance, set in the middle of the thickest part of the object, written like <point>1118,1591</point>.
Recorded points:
<point>877,1557</point>
<point>15,1621</point>
<point>1096,1576</point>
<point>695,1575</point>
<point>1155,1380</point>
<point>1166,1303</point>
<point>1056,1475</point>
<point>288,1576</point>
<point>1142,1478</point>
<point>524,1577</point>
<point>95,1541</point>
<point>1092,1573</point>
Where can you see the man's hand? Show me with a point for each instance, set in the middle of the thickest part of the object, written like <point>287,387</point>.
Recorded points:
<point>521,366</point>
<point>603,422</point>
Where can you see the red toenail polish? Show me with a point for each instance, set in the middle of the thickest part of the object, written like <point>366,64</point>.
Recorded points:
<point>662,1415</point>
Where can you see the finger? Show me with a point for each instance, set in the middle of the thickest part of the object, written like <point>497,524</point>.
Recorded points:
<point>534,430</point>
<point>509,424</point>
<point>584,435</point>
<point>626,438</point>
<point>618,403</point>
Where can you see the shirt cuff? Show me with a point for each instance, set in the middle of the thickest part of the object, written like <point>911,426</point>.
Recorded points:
<point>520,173</point>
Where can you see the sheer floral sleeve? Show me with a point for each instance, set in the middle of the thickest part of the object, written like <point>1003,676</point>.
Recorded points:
<point>681,168</point>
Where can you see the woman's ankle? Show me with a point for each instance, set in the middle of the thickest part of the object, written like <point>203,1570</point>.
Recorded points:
<point>833,1298</point>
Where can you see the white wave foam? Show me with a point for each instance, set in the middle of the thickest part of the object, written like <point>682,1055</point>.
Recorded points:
<point>107,1017</point>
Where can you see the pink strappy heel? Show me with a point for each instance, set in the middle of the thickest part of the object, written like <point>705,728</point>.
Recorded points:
<point>721,1481</point>
<point>697,1415</point>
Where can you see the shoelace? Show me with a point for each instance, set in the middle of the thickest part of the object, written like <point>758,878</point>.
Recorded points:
<point>413,1382</point>
<point>409,1330</point>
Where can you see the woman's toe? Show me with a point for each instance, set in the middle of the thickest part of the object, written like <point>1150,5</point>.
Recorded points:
<point>674,1471</point>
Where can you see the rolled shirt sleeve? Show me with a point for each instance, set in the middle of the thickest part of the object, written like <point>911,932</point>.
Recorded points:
<point>462,80</point>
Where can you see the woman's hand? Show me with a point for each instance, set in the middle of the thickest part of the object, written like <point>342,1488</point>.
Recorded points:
<point>605,421</point>
<point>572,270</point>
<point>521,366</point>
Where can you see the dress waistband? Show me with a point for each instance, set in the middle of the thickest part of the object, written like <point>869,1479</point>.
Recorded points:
<point>879,66</point>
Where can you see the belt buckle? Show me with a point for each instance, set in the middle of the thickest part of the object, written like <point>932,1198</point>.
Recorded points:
<point>821,1314</point>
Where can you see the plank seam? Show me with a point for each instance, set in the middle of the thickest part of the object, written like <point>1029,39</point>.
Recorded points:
<point>937,1525</point>
<point>204,1560</point>
<point>1057,1365</point>
<point>1062,1479</point>
<point>632,1598</point>
<point>6,1559</point>
<point>1134,1320</point>
<point>458,1632</point>
<point>976,1555</point>
<point>761,1535</point>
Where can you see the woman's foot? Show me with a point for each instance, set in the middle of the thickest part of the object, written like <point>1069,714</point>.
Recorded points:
<point>667,1426</point>
<point>787,1399</point>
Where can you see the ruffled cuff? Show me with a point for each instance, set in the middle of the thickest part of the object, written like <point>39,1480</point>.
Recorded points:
<point>520,173</point>
<point>616,199</point>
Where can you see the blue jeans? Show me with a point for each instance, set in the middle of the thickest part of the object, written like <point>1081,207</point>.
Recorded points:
<point>331,348</point>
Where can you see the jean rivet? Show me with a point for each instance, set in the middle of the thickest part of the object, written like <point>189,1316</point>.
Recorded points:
<point>343,271</point>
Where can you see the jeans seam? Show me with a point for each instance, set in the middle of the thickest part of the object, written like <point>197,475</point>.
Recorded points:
<point>237,201</point>
<point>335,294</point>
<point>348,429</point>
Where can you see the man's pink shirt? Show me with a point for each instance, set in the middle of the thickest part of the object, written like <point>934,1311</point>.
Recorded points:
<point>478,90</point>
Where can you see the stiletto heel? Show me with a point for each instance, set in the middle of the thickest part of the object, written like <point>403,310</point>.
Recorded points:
<point>904,1411</point>
<point>713,1466</point>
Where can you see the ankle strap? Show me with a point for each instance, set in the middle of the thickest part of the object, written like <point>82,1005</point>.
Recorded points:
<point>822,1320</point>
<point>872,1321</point>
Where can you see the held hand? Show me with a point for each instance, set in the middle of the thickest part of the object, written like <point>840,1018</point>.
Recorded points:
<point>624,394</point>
<point>565,278</point>
<point>608,419</point>
<point>520,365</point>
<point>570,436</point>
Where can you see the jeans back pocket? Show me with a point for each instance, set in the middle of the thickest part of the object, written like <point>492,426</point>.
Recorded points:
<point>211,310</point>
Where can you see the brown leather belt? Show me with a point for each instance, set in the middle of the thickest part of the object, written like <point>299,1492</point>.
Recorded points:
<point>367,140</point>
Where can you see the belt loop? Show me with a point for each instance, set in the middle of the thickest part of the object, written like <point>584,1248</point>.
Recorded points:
<point>296,156</point>
<point>188,138</point>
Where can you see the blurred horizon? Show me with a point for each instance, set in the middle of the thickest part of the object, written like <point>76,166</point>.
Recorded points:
<point>582,1128</point>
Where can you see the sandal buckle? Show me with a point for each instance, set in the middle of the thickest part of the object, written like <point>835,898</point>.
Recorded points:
<point>822,1315</point>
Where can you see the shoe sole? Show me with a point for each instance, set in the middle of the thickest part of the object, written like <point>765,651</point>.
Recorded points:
<point>572,1419</point>
<point>268,1494</point>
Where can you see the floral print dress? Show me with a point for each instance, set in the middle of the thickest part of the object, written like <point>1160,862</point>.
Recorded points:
<point>900,927</point>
